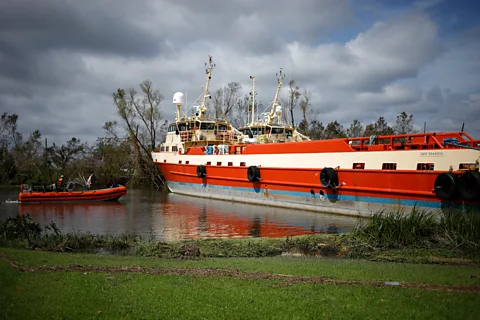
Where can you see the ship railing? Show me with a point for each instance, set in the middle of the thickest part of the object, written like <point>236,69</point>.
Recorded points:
<point>223,149</point>
<point>430,140</point>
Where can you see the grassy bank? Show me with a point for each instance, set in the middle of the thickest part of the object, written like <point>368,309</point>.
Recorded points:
<point>46,285</point>
<point>288,278</point>
<point>416,237</point>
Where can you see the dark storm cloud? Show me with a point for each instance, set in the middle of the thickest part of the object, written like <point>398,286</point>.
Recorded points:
<point>42,49</point>
<point>29,26</point>
<point>40,40</point>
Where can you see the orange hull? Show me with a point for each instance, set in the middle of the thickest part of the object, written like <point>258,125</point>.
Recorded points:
<point>401,188</point>
<point>90,195</point>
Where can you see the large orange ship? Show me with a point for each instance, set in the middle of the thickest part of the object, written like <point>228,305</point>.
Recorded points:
<point>270,163</point>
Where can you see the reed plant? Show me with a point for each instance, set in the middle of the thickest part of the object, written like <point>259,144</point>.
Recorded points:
<point>21,230</point>
<point>461,229</point>
<point>392,229</point>
<point>454,229</point>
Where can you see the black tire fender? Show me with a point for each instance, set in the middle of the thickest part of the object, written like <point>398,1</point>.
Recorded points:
<point>329,178</point>
<point>253,174</point>
<point>446,185</point>
<point>201,171</point>
<point>469,185</point>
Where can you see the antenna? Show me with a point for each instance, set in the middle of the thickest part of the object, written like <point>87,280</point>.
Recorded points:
<point>424,127</point>
<point>280,76</point>
<point>206,95</point>
<point>463,126</point>
<point>253,99</point>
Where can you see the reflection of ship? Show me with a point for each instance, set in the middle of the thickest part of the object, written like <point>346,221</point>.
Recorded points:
<point>193,218</point>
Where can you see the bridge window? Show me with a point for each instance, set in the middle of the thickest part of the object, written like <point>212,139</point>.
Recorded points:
<point>389,166</point>
<point>166,148</point>
<point>179,161</point>
<point>209,163</point>
<point>230,164</point>
<point>425,166</point>
<point>277,130</point>
<point>466,166</point>
<point>219,163</point>
<point>174,148</point>
<point>187,162</point>
<point>242,164</point>
<point>207,126</point>
<point>162,149</point>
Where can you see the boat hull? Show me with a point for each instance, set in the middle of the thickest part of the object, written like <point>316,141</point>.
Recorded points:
<point>110,194</point>
<point>361,192</point>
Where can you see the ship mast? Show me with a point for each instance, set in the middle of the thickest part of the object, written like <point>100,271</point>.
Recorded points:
<point>271,115</point>
<point>253,100</point>
<point>203,109</point>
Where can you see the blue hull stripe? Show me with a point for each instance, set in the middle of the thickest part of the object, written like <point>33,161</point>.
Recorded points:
<point>339,197</point>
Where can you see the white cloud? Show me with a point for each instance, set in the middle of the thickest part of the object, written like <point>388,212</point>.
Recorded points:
<point>394,94</point>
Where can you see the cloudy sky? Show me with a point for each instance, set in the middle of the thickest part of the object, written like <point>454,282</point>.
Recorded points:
<point>61,60</point>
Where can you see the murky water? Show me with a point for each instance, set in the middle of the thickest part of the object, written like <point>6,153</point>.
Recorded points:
<point>168,217</point>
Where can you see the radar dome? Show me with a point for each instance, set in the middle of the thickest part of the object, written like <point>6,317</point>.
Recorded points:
<point>179,99</point>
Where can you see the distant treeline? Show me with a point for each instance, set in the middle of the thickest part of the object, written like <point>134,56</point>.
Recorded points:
<point>116,158</point>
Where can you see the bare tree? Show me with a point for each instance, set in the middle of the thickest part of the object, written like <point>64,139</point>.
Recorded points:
<point>241,112</point>
<point>226,98</point>
<point>404,124</point>
<point>293,96</point>
<point>304,107</point>
<point>8,130</point>
<point>142,119</point>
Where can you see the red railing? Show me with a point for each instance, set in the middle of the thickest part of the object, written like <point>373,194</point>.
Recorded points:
<point>429,140</point>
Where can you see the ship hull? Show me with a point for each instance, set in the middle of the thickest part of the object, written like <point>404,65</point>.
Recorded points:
<point>360,194</point>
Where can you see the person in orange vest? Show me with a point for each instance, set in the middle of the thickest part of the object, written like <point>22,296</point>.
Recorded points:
<point>60,183</point>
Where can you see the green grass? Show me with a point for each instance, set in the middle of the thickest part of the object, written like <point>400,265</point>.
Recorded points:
<point>101,295</point>
<point>343,269</point>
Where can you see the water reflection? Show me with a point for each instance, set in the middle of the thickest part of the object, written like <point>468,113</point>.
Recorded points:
<point>170,217</point>
<point>193,218</point>
<point>99,217</point>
